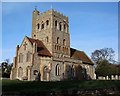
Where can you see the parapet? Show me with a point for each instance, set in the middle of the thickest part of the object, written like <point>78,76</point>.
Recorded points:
<point>54,12</point>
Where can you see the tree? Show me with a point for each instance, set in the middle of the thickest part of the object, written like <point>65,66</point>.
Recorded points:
<point>6,68</point>
<point>104,61</point>
<point>102,54</point>
<point>104,68</point>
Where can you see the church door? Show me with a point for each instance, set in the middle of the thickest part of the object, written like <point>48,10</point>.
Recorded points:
<point>45,73</point>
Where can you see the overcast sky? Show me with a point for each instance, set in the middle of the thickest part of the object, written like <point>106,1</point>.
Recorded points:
<point>91,25</point>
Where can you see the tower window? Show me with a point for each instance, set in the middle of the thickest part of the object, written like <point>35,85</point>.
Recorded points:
<point>38,26</point>
<point>47,22</point>
<point>60,26</point>
<point>64,42</point>
<point>27,71</point>
<point>56,24</point>
<point>64,27</point>
<point>42,27</point>
<point>47,39</point>
<point>58,40</point>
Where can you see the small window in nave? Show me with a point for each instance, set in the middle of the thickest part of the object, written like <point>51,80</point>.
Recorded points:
<point>55,24</point>
<point>42,26</point>
<point>64,27</point>
<point>58,40</point>
<point>38,26</point>
<point>64,42</point>
<point>60,26</point>
<point>47,22</point>
<point>47,39</point>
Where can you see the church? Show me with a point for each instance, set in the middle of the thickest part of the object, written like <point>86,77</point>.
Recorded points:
<point>47,55</point>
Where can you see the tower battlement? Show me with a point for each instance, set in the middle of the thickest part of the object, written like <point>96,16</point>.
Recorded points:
<point>52,12</point>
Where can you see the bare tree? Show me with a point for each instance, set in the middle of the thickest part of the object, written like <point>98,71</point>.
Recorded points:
<point>103,54</point>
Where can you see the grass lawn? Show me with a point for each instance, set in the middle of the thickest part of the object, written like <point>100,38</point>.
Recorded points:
<point>23,86</point>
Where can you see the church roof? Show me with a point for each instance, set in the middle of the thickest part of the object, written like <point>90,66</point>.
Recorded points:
<point>80,55</point>
<point>41,49</point>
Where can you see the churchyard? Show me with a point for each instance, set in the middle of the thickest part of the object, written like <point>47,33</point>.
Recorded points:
<point>61,87</point>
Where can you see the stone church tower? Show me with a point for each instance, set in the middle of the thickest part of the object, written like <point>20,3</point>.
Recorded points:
<point>52,28</point>
<point>47,55</point>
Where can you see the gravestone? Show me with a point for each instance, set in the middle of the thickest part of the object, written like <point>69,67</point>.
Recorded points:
<point>107,78</point>
<point>112,77</point>
<point>103,78</point>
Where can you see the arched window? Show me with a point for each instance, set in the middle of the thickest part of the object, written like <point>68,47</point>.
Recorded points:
<point>60,26</point>
<point>20,58</point>
<point>47,22</point>
<point>58,40</point>
<point>27,71</point>
<point>28,57</point>
<point>45,73</point>
<point>55,24</point>
<point>64,42</point>
<point>57,70</point>
<point>47,39</point>
<point>38,25</point>
<point>64,27</point>
<point>42,26</point>
<point>20,72</point>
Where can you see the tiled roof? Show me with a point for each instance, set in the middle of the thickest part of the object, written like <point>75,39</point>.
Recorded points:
<point>80,55</point>
<point>41,49</point>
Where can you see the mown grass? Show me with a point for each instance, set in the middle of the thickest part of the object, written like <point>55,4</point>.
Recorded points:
<point>32,86</point>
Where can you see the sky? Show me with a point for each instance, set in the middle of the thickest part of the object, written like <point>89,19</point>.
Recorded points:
<point>91,25</point>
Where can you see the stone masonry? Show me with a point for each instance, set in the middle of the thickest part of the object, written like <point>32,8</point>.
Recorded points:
<point>47,55</point>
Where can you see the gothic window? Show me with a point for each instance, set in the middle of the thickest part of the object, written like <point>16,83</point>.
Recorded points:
<point>58,40</point>
<point>27,72</point>
<point>60,26</point>
<point>64,42</point>
<point>55,24</point>
<point>47,22</point>
<point>47,39</point>
<point>20,72</point>
<point>64,27</point>
<point>42,26</point>
<point>45,73</point>
<point>57,70</point>
<point>28,57</point>
<point>38,25</point>
<point>20,58</point>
